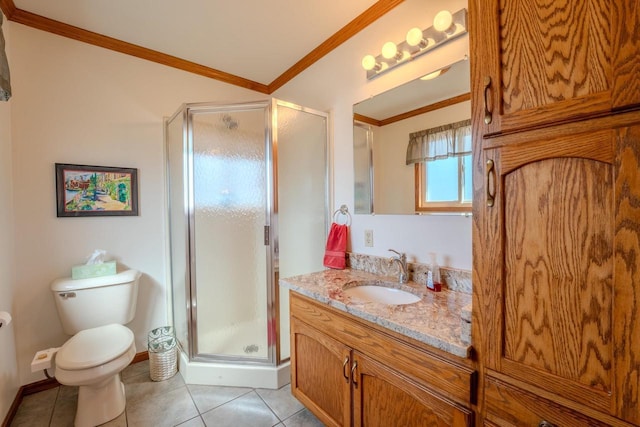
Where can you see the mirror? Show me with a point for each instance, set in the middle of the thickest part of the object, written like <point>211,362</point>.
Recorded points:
<point>383,182</point>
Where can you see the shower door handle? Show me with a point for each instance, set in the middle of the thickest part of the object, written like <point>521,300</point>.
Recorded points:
<point>267,233</point>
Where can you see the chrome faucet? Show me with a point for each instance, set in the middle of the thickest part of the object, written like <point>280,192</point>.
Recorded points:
<point>401,259</point>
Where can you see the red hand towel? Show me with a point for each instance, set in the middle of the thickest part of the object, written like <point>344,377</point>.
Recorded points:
<point>336,249</point>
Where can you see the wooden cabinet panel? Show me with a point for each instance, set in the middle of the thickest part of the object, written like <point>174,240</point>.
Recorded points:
<point>394,384</point>
<point>552,61</point>
<point>555,251</point>
<point>626,326</point>
<point>556,306</point>
<point>509,406</point>
<point>452,380</point>
<point>382,399</point>
<point>320,374</point>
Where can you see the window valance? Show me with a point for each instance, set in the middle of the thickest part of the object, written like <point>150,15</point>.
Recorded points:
<point>453,139</point>
<point>5,81</point>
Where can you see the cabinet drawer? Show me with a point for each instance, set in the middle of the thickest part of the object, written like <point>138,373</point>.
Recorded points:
<point>452,381</point>
<point>507,405</point>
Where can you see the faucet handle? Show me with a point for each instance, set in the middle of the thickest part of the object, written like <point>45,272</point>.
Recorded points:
<point>401,255</point>
<point>396,252</point>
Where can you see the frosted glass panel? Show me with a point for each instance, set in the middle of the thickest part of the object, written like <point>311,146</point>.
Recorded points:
<point>363,169</point>
<point>302,200</point>
<point>229,200</point>
<point>178,226</point>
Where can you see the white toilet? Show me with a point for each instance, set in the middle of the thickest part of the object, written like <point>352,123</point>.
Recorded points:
<point>94,312</point>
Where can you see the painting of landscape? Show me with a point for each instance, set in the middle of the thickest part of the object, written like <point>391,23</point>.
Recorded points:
<point>96,190</point>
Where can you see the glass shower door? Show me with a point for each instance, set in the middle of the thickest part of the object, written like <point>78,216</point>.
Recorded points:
<point>230,259</point>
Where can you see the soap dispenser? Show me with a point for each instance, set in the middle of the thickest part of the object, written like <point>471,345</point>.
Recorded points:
<point>433,275</point>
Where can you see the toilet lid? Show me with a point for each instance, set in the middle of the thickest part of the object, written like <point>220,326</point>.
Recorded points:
<point>94,347</point>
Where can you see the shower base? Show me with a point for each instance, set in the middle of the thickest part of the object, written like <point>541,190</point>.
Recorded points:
<point>225,374</point>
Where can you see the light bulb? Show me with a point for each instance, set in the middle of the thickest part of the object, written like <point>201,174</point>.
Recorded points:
<point>414,37</point>
<point>435,74</point>
<point>443,20</point>
<point>389,50</point>
<point>431,75</point>
<point>369,62</point>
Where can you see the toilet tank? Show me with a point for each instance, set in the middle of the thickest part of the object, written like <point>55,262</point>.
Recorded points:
<point>98,301</point>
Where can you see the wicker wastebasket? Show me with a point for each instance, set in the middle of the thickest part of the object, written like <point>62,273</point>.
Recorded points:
<point>163,353</point>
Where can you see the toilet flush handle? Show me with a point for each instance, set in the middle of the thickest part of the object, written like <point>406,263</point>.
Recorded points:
<point>66,295</point>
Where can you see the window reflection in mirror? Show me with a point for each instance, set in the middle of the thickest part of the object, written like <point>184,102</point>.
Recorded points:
<point>384,183</point>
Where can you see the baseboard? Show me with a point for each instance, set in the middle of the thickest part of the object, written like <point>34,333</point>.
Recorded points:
<point>140,357</point>
<point>47,384</point>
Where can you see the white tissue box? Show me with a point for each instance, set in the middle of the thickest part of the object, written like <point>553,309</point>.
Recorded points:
<point>93,270</point>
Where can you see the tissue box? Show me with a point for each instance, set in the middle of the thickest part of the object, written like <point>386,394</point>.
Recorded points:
<point>93,270</point>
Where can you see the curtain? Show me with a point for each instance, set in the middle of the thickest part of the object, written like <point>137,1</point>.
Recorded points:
<point>5,81</point>
<point>440,142</point>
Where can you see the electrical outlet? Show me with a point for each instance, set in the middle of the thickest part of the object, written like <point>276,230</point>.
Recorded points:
<point>368,238</point>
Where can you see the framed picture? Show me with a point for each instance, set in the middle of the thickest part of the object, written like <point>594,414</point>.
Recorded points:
<point>96,190</point>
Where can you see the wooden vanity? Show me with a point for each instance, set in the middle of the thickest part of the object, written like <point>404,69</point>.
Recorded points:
<point>350,370</point>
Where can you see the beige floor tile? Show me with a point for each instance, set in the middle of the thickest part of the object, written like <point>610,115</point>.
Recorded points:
<point>246,411</point>
<point>281,401</point>
<point>207,397</point>
<point>119,421</point>
<point>136,369</point>
<point>64,412</point>
<point>36,409</point>
<point>193,422</point>
<point>171,408</point>
<point>303,418</point>
<point>141,387</point>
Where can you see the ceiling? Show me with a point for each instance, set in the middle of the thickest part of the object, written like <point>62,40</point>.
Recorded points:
<point>256,44</point>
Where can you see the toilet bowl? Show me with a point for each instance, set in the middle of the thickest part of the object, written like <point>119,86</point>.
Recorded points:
<point>92,360</point>
<point>93,312</point>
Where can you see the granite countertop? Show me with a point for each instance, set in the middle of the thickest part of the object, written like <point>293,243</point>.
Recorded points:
<point>435,320</point>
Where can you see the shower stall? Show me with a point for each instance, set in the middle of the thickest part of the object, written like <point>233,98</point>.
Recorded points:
<point>248,197</point>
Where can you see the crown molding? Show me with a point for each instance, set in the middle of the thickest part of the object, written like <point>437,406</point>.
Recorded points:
<point>39,22</point>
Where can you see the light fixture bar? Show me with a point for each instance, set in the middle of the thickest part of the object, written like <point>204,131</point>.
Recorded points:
<point>414,46</point>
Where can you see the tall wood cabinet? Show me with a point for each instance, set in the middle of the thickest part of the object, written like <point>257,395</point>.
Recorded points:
<point>556,234</point>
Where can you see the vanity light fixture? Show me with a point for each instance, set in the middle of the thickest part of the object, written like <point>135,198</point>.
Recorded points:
<point>446,26</point>
<point>435,74</point>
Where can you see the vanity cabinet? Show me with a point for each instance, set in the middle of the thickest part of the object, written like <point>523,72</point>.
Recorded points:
<point>553,61</point>
<point>352,373</point>
<point>556,218</point>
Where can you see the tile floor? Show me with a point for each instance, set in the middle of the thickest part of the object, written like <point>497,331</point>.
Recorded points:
<point>173,403</point>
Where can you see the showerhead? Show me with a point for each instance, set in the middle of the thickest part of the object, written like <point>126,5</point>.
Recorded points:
<point>229,122</point>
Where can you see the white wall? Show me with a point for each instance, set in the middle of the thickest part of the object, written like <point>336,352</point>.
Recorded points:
<point>82,104</point>
<point>8,364</point>
<point>335,83</point>
<point>76,103</point>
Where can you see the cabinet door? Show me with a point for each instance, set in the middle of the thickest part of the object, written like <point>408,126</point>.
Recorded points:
<point>552,61</point>
<point>383,398</point>
<point>557,305</point>
<point>320,374</point>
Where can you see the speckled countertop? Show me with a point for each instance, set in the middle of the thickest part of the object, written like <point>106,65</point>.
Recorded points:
<point>435,320</point>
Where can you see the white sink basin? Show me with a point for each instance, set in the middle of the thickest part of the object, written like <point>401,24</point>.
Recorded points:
<point>381,294</point>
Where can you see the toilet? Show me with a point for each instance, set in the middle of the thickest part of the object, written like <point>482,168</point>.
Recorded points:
<point>95,311</point>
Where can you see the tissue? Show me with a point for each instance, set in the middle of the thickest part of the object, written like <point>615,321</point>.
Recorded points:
<point>94,267</point>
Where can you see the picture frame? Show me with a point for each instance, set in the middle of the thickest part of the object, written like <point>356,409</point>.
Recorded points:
<point>85,191</point>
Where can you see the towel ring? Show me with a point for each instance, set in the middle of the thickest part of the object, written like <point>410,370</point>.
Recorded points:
<point>344,211</point>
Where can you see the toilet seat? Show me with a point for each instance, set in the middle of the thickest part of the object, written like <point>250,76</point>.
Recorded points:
<point>94,347</point>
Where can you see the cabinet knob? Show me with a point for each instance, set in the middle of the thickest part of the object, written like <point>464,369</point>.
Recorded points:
<point>488,118</point>
<point>544,423</point>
